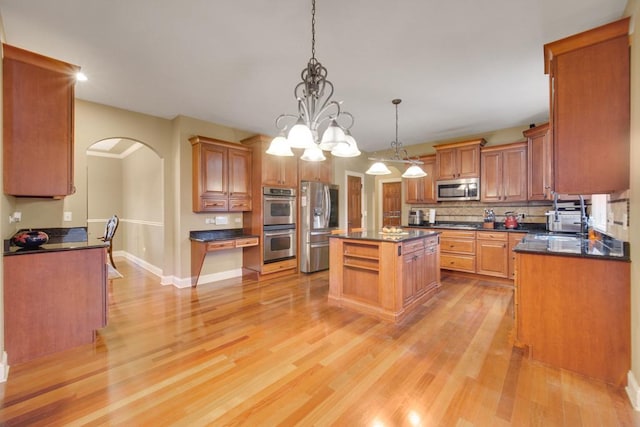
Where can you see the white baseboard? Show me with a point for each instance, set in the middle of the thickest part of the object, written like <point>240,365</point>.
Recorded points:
<point>177,281</point>
<point>4,368</point>
<point>633,391</point>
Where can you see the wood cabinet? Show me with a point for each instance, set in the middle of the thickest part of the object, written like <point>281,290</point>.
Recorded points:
<point>458,250</point>
<point>420,266</point>
<point>590,109</point>
<point>492,255</point>
<point>514,239</point>
<point>422,190</point>
<point>504,173</point>
<point>200,249</point>
<point>38,111</point>
<point>53,301</point>
<point>221,176</point>
<point>458,160</point>
<point>316,171</point>
<point>274,171</point>
<point>539,163</point>
<point>574,313</point>
<point>384,278</point>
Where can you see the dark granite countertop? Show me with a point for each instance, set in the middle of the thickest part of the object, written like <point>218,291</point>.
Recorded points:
<point>523,227</point>
<point>379,236</point>
<point>575,246</point>
<point>60,239</point>
<point>213,235</point>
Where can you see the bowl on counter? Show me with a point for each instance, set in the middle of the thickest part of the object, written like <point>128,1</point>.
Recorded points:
<point>30,239</point>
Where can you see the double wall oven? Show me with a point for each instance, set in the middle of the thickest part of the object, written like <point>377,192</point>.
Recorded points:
<point>279,228</point>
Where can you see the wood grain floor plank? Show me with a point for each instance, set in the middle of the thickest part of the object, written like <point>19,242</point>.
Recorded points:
<point>246,353</point>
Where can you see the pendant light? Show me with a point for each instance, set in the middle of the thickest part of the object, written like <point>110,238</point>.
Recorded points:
<point>380,167</point>
<point>315,110</point>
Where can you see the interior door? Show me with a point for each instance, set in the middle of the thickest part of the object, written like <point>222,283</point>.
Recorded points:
<point>354,205</point>
<point>391,204</point>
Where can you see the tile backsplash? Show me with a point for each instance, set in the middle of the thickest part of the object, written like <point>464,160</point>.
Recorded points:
<point>474,211</point>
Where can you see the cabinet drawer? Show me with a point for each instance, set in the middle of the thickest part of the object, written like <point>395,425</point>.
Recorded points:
<point>272,267</point>
<point>239,205</point>
<point>249,241</point>
<point>458,234</point>
<point>457,246</point>
<point>213,204</point>
<point>458,262</point>
<point>361,250</point>
<point>412,246</point>
<point>492,235</point>
<point>219,245</point>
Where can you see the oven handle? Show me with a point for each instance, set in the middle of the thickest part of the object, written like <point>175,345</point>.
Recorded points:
<point>279,199</point>
<point>279,233</point>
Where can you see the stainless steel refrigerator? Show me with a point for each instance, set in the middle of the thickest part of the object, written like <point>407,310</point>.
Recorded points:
<point>318,217</point>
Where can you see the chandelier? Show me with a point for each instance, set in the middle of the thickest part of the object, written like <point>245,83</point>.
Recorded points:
<point>315,110</point>
<point>400,155</point>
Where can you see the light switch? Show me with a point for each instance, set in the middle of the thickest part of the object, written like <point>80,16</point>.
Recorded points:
<point>221,220</point>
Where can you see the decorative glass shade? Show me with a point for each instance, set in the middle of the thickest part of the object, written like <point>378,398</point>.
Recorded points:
<point>332,137</point>
<point>300,135</point>
<point>350,149</point>
<point>378,168</point>
<point>313,154</point>
<point>279,147</point>
<point>414,171</point>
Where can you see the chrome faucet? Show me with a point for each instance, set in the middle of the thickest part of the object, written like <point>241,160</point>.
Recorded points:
<point>556,218</point>
<point>583,217</point>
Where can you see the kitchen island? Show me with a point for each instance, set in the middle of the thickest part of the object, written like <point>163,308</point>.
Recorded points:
<point>387,275</point>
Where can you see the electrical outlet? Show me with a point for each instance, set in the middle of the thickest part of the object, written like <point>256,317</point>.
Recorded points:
<point>222,220</point>
<point>67,216</point>
<point>15,217</point>
<point>209,220</point>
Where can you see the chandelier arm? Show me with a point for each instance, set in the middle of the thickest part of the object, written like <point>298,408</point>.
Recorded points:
<point>283,116</point>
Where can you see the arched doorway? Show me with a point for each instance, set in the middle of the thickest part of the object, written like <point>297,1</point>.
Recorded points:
<point>125,177</point>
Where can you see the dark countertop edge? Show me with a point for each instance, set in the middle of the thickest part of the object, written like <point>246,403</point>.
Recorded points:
<point>56,247</point>
<point>526,228</point>
<point>377,237</point>
<point>204,240</point>
<point>624,258</point>
<point>220,234</point>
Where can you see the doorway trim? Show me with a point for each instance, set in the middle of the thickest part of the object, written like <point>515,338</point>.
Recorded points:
<point>345,199</point>
<point>379,199</point>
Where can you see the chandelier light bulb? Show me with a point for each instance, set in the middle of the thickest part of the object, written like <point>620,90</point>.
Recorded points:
<point>280,147</point>
<point>313,154</point>
<point>300,135</point>
<point>378,168</point>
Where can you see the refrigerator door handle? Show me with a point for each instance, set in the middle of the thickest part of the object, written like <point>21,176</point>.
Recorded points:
<point>327,205</point>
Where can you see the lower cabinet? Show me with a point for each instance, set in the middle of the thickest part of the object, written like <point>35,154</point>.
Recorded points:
<point>420,267</point>
<point>492,257</point>
<point>458,250</point>
<point>53,301</point>
<point>514,239</point>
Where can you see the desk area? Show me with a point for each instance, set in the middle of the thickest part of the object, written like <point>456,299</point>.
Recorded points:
<point>203,242</point>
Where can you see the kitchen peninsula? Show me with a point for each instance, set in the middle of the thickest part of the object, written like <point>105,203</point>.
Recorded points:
<point>387,275</point>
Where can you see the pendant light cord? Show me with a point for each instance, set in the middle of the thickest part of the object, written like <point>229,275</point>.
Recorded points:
<point>313,29</point>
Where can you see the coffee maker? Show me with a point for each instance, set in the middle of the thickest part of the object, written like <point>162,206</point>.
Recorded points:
<point>416,217</point>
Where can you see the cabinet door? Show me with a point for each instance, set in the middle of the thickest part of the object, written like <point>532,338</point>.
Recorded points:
<point>413,190</point>
<point>514,174</point>
<point>272,169</point>
<point>468,162</point>
<point>428,182</point>
<point>491,255</point>
<point>539,163</point>
<point>38,105</point>
<point>591,117</point>
<point>491,179</point>
<point>213,172</point>
<point>315,171</point>
<point>239,184</point>
<point>289,171</point>
<point>446,164</point>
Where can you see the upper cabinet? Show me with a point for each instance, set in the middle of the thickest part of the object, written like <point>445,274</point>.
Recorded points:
<point>274,171</point>
<point>38,108</point>
<point>539,162</point>
<point>590,109</point>
<point>504,173</point>
<point>422,190</point>
<point>316,171</point>
<point>221,176</point>
<point>458,160</point>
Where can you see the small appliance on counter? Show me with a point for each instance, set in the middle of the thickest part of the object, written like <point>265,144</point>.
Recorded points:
<point>511,219</point>
<point>432,216</point>
<point>565,218</point>
<point>416,217</point>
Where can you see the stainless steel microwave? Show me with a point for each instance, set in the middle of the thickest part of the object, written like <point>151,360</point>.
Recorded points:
<point>458,189</point>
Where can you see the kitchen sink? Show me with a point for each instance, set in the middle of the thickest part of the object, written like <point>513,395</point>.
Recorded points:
<point>567,244</point>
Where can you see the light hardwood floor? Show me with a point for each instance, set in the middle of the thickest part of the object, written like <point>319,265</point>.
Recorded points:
<point>275,353</point>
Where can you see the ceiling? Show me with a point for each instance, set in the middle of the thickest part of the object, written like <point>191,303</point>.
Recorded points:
<point>461,67</point>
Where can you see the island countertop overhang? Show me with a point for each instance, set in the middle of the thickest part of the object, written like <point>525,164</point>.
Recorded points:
<point>379,236</point>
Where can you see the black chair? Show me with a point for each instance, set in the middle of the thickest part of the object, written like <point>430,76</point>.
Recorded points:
<point>110,231</point>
